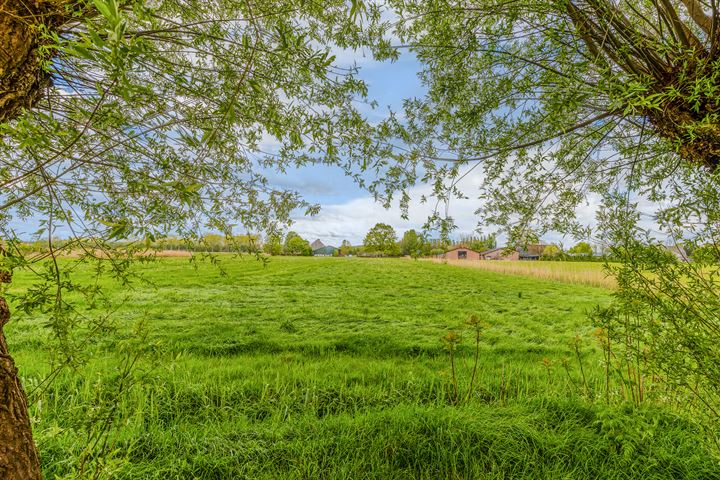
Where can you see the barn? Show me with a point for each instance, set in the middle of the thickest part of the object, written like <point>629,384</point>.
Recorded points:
<point>462,253</point>
<point>533,251</point>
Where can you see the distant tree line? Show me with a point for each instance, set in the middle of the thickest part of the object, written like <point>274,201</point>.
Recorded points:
<point>380,241</point>
<point>211,243</point>
<point>292,244</point>
<point>208,243</point>
<point>480,243</point>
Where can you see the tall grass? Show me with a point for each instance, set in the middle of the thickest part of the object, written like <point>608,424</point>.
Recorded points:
<point>575,273</point>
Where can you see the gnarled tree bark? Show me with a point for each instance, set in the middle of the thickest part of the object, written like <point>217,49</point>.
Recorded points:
<point>22,77</point>
<point>678,65</point>
<point>23,80</point>
<point>22,83</point>
<point>18,455</point>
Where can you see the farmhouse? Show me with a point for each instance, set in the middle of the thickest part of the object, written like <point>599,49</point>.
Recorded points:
<point>462,253</point>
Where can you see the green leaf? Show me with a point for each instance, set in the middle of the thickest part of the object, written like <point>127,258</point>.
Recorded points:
<point>107,8</point>
<point>78,51</point>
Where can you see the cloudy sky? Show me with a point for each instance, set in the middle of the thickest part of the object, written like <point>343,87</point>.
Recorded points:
<point>348,212</point>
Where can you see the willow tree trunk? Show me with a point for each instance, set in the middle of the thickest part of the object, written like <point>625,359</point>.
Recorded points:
<point>18,455</point>
<point>23,81</point>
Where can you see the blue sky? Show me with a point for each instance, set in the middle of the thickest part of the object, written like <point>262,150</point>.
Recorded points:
<point>347,211</point>
<point>389,84</point>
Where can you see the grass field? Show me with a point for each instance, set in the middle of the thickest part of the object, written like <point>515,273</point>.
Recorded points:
<point>334,368</point>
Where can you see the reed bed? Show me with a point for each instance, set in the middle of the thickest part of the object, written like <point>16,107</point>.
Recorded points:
<point>575,273</point>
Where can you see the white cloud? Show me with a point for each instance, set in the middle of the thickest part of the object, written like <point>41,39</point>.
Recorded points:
<point>351,220</point>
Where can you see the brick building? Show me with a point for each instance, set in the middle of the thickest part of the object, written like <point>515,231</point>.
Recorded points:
<point>462,253</point>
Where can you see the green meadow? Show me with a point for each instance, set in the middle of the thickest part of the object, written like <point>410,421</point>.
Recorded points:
<point>335,368</point>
